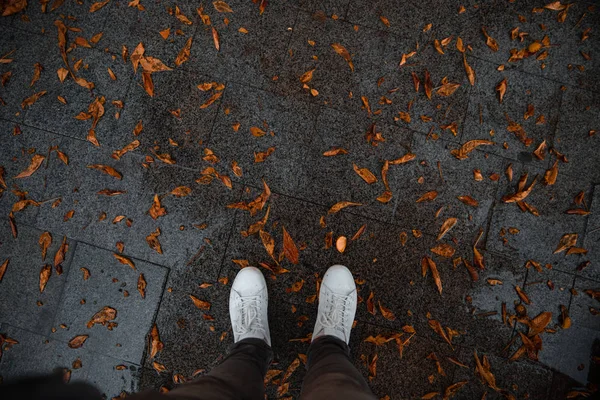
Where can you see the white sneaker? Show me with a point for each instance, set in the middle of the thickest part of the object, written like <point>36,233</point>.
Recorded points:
<point>337,304</point>
<point>248,302</point>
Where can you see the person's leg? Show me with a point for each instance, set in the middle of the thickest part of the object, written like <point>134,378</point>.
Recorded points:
<point>331,375</point>
<point>239,377</point>
<point>241,374</point>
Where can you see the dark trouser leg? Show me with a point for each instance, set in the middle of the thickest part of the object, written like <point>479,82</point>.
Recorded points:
<point>331,375</point>
<point>239,377</point>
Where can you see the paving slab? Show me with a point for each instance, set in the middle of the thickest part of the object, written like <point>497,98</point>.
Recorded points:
<point>522,379</point>
<point>563,60</point>
<point>575,137</point>
<point>16,154</point>
<point>22,304</point>
<point>110,284</point>
<point>184,238</point>
<point>537,237</point>
<point>255,57</point>
<point>488,118</point>
<point>37,355</point>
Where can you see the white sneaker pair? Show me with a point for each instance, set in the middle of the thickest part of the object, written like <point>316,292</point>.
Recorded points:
<point>249,300</point>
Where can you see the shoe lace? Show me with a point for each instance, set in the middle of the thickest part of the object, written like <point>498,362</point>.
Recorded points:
<point>250,319</point>
<point>335,314</point>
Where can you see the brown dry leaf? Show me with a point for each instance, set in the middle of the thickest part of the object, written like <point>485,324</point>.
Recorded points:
<point>490,41</point>
<point>36,162</point>
<point>257,132</point>
<point>359,232</point>
<point>468,200</point>
<point>365,174</point>
<point>152,240</point>
<point>289,247</point>
<point>181,17</point>
<point>341,205</point>
<point>98,5</point>
<point>77,341</point>
<point>386,312</point>
<point>117,154</point>
<point>428,84</point>
<point>141,286</point>
<point>268,243</point>
<point>469,70</point>
<point>371,304</point>
<point>62,74</point>
<point>555,6</point>
<point>521,194</point>
<point>429,196</point>
<point>184,54</point>
<point>45,273</point>
<point>13,7</point>
<point>215,36</point>
<point>447,89</point>
<point>3,268</point>
<point>44,242</point>
<point>468,147</point>
<point>539,323</point>
<point>501,89</point>
<point>156,210</point>
<point>443,250</point>
<point>483,369</point>
<point>86,273</point>
<point>59,257</point>
<point>148,83</point>
<point>551,174</point>
<point>13,225</point>
<point>340,244</point>
<point>221,6</point>
<point>437,328</point>
<point>202,305</point>
<point>540,152</point>
<point>155,343</point>
<point>181,191</point>
<point>103,317</point>
<point>446,226</point>
<point>36,73</point>
<point>29,101</point>
<point>566,241</point>
<point>522,295</point>
<point>335,151</point>
<point>165,34</point>
<point>434,272</point>
<point>341,50</point>
<point>211,100</point>
<point>82,42</point>
<point>451,390</point>
<point>107,170</point>
<point>307,76</point>
<point>153,64</point>
<point>124,260</point>
<point>404,159</point>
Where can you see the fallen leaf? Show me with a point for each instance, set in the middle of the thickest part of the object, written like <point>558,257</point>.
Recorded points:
<point>45,273</point>
<point>522,295</point>
<point>107,170</point>
<point>468,147</point>
<point>45,241</point>
<point>156,210</point>
<point>566,241</point>
<point>341,205</point>
<point>340,244</point>
<point>490,41</point>
<point>155,343</point>
<point>141,285</point>
<point>371,304</point>
<point>184,54</point>
<point>551,174</point>
<point>429,196</point>
<point>446,226</point>
<point>335,151</point>
<point>181,17</point>
<point>289,247</point>
<point>341,50</point>
<point>365,174</point>
<point>443,250</point>
<point>36,162</point>
<point>468,200</point>
<point>77,341</point>
<point>202,305</point>
<point>98,5</point>
<point>307,76</point>
<point>124,260</point>
<point>59,257</point>
<point>469,70</point>
<point>387,313</point>
<point>181,191</point>
<point>501,89</point>
<point>3,268</point>
<point>103,317</point>
<point>165,35</point>
<point>211,100</point>
<point>215,36</point>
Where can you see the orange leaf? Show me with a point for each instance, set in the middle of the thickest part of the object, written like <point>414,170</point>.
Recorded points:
<point>36,162</point>
<point>124,260</point>
<point>184,54</point>
<point>341,205</point>
<point>429,196</point>
<point>45,241</point>
<point>341,50</point>
<point>77,341</point>
<point>202,305</point>
<point>45,273</point>
<point>365,174</point>
<point>215,36</point>
<point>107,170</point>
<point>98,5</point>
<point>289,247</point>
